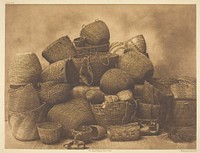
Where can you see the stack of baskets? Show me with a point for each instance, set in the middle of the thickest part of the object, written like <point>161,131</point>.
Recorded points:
<point>183,122</point>
<point>93,87</point>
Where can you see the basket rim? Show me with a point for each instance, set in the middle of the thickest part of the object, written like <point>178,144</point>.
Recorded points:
<point>56,127</point>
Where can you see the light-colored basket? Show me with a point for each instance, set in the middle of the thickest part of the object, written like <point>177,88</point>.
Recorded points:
<point>71,114</point>
<point>126,132</point>
<point>23,125</point>
<point>91,67</point>
<point>54,92</point>
<point>49,132</point>
<point>184,89</point>
<point>25,68</point>
<point>114,113</point>
<point>54,72</point>
<point>60,49</point>
<point>96,33</point>
<point>23,98</point>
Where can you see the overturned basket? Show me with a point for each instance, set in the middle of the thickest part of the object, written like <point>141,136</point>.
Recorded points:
<point>114,113</point>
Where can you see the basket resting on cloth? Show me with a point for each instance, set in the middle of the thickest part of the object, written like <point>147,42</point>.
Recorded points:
<point>114,113</point>
<point>71,114</point>
<point>91,67</point>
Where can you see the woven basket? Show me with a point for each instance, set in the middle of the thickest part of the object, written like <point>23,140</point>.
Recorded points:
<point>71,114</point>
<point>98,132</point>
<point>83,133</point>
<point>23,125</point>
<point>60,49</point>
<point>92,49</point>
<point>114,113</point>
<point>20,99</point>
<point>137,65</point>
<point>148,111</point>
<point>25,68</point>
<point>49,132</point>
<point>54,92</point>
<point>184,90</point>
<point>182,134</point>
<point>93,66</point>
<point>137,42</point>
<point>184,113</point>
<point>54,72</point>
<point>126,132</point>
<point>96,33</point>
<point>117,48</point>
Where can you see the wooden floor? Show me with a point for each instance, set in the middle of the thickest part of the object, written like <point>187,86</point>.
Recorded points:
<point>147,142</point>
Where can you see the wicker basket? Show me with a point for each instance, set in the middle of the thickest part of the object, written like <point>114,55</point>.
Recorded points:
<point>126,132</point>
<point>98,132</point>
<point>71,114</point>
<point>49,132</point>
<point>54,72</point>
<point>25,68</point>
<point>137,42</point>
<point>20,99</point>
<point>93,66</point>
<point>92,49</point>
<point>117,48</point>
<point>23,125</point>
<point>114,113</point>
<point>184,90</point>
<point>54,92</point>
<point>182,134</point>
<point>184,113</point>
<point>96,33</point>
<point>60,49</point>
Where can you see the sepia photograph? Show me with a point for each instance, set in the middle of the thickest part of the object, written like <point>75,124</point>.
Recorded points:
<point>100,76</point>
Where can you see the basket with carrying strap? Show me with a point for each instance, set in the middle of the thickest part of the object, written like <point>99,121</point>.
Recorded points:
<point>114,113</point>
<point>92,66</point>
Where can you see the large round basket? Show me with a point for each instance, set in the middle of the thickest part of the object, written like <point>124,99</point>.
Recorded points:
<point>25,68</point>
<point>23,125</point>
<point>114,113</point>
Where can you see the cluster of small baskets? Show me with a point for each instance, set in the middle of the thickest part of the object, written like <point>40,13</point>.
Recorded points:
<point>92,89</point>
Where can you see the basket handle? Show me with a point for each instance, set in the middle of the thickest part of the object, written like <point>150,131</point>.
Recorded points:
<point>96,20</point>
<point>89,69</point>
<point>105,64</point>
<point>136,107</point>
<point>83,26</point>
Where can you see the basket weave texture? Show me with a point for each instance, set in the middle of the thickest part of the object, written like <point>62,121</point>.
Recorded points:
<point>20,99</point>
<point>25,68</point>
<point>91,67</point>
<point>96,33</point>
<point>54,92</point>
<point>60,49</point>
<point>126,132</point>
<point>23,125</point>
<point>71,115</point>
<point>114,113</point>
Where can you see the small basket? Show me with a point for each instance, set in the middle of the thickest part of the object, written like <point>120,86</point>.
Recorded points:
<point>49,132</point>
<point>114,113</point>
<point>92,49</point>
<point>184,89</point>
<point>126,132</point>
<point>82,133</point>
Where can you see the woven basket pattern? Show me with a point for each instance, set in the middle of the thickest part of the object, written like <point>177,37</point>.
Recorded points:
<point>98,63</point>
<point>114,113</point>
<point>96,33</point>
<point>20,99</point>
<point>23,125</point>
<point>54,72</point>
<point>92,49</point>
<point>184,113</point>
<point>54,92</point>
<point>60,49</point>
<point>25,68</point>
<point>71,115</point>
<point>126,132</point>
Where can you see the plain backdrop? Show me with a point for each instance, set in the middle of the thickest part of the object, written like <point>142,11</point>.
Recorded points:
<point>169,31</point>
